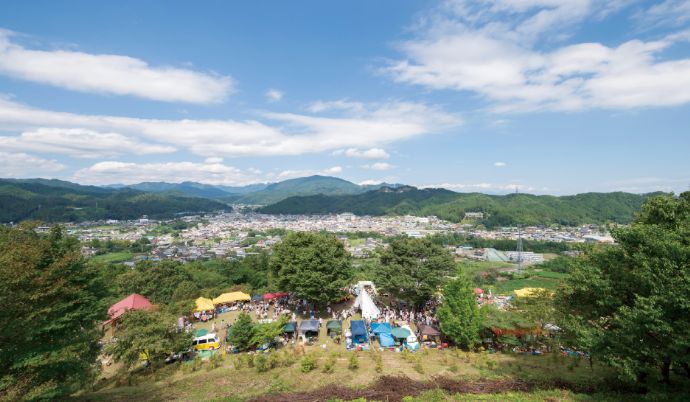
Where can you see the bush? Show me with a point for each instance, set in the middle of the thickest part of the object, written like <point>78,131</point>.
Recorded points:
<point>418,367</point>
<point>353,364</point>
<point>237,362</point>
<point>214,361</point>
<point>454,368</point>
<point>308,363</point>
<point>261,363</point>
<point>274,360</point>
<point>328,366</point>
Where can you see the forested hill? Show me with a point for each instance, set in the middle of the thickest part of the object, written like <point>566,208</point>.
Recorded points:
<point>61,201</point>
<point>499,210</point>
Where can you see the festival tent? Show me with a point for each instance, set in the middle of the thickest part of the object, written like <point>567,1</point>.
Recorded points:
<point>428,330</point>
<point>478,291</point>
<point>281,294</point>
<point>290,327</point>
<point>400,333</point>
<point>257,298</point>
<point>334,326</point>
<point>203,304</point>
<point>367,306</point>
<point>231,297</point>
<point>380,328</point>
<point>269,296</point>
<point>131,302</point>
<point>359,331</point>
<point>386,340</point>
<point>309,326</point>
<point>200,332</point>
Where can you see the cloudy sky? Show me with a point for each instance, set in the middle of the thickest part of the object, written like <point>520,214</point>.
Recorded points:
<point>548,96</point>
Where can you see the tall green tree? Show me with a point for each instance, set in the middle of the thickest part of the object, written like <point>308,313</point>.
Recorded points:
<point>629,303</point>
<point>313,266</point>
<point>149,333</point>
<point>413,269</point>
<point>242,332</point>
<point>51,304</point>
<point>458,314</point>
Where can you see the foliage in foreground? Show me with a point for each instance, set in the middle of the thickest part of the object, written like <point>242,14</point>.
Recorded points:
<point>629,304</point>
<point>51,305</point>
<point>152,334</point>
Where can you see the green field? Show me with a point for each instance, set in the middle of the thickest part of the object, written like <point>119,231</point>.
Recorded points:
<point>119,256</point>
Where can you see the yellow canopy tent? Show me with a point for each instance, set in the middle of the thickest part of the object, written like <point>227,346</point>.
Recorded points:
<point>231,298</point>
<point>204,304</point>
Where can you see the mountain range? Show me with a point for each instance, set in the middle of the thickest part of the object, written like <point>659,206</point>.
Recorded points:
<point>60,201</point>
<point>498,210</point>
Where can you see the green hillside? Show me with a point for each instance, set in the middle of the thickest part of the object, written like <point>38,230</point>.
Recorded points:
<point>499,210</point>
<point>60,201</point>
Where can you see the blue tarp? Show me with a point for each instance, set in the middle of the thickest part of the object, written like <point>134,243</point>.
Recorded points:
<point>257,298</point>
<point>386,340</point>
<point>380,328</point>
<point>359,331</point>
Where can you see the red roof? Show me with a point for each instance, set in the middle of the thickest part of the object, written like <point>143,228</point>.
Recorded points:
<point>131,302</point>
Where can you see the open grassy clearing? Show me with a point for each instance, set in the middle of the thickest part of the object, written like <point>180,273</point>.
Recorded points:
<point>226,382</point>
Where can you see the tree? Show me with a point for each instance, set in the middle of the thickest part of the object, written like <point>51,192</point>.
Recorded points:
<point>51,305</point>
<point>152,333</point>
<point>413,269</point>
<point>629,304</point>
<point>242,332</point>
<point>313,266</point>
<point>268,332</point>
<point>458,314</point>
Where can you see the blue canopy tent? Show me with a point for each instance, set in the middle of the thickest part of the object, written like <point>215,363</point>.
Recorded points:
<point>386,340</point>
<point>359,332</point>
<point>309,326</point>
<point>380,328</point>
<point>257,298</point>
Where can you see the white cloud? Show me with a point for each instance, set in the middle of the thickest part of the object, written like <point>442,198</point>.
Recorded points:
<point>79,143</point>
<point>337,105</point>
<point>25,165</point>
<point>210,172</point>
<point>500,164</point>
<point>379,166</point>
<point>277,134</point>
<point>274,95</point>
<point>110,74</point>
<point>371,153</point>
<point>493,49</point>
<point>370,182</point>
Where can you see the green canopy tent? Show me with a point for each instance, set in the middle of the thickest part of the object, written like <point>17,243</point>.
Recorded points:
<point>200,332</point>
<point>400,333</point>
<point>290,327</point>
<point>334,327</point>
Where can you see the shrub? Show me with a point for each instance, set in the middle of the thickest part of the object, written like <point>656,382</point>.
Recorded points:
<point>453,368</point>
<point>274,360</point>
<point>308,363</point>
<point>328,366</point>
<point>216,360</point>
<point>353,364</point>
<point>237,362</point>
<point>418,367</point>
<point>261,363</point>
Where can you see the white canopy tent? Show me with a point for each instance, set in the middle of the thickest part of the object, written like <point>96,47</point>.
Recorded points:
<point>367,306</point>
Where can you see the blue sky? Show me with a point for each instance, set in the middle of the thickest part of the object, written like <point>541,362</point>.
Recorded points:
<point>548,96</point>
